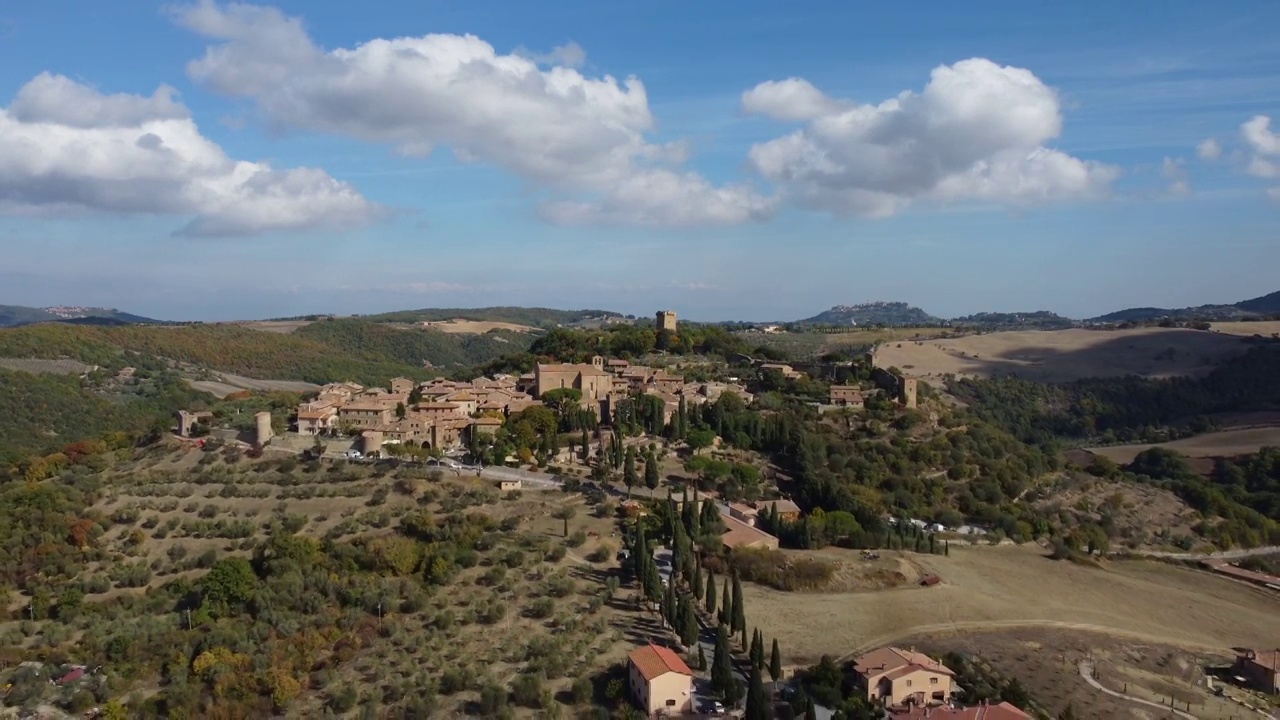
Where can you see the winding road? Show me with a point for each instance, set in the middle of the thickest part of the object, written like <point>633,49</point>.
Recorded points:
<point>1086,672</point>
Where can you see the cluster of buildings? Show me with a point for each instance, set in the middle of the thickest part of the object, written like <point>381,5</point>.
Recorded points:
<point>604,382</point>
<point>439,416</point>
<point>910,685</point>
<point>442,412</point>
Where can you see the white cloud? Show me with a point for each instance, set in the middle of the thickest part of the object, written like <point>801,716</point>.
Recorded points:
<point>1209,149</point>
<point>976,132</point>
<point>582,138</point>
<point>790,99</point>
<point>569,55</point>
<point>66,147</point>
<point>1175,171</point>
<point>1265,146</point>
<point>1274,193</point>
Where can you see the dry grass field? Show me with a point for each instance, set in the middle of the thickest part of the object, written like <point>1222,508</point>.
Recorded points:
<point>812,343</point>
<point>1224,443</point>
<point>226,383</point>
<point>477,327</point>
<point>283,327</point>
<point>1064,355</point>
<point>1010,587</point>
<point>1046,663</point>
<point>1139,512</point>
<point>1265,328</point>
<point>36,366</point>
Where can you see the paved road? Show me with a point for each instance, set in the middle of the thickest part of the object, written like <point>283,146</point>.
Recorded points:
<point>1086,672</point>
<point>1220,555</point>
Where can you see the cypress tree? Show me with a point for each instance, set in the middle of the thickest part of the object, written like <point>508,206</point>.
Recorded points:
<point>586,446</point>
<point>688,622</point>
<point>702,660</point>
<point>757,702</point>
<point>722,666</point>
<point>629,475</point>
<point>738,620</point>
<point>697,579</point>
<point>651,476</point>
<point>711,594</point>
<point>757,649</point>
<point>946,548</point>
<point>775,662</point>
<point>726,607</point>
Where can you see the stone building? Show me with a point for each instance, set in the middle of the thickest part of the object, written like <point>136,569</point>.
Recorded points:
<point>666,320</point>
<point>187,421</point>
<point>593,381</point>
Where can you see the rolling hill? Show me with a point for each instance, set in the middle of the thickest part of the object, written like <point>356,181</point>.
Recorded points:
<point>873,313</point>
<point>537,317</point>
<point>13,315</point>
<point>1263,306</point>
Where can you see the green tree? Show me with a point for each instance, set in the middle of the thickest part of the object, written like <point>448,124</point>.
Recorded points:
<point>756,653</point>
<point>757,702</point>
<point>738,621</point>
<point>699,439</point>
<point>651,474</point>
<point>726,606</point>
<point>227,586</point>
<point>710,602</point>
<point>629,476</point>
<point>400,411</point>
<point>722,666</point>
<point>688,622</point>
<point>775,662</point>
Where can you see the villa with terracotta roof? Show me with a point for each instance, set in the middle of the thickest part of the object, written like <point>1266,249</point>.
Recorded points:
<point>904,677</point>
<point>661,683</point>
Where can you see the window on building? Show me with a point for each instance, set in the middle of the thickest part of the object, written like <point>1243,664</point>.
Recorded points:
<point>671,702</point>
<point>933,681</point>
<point>908,683</point>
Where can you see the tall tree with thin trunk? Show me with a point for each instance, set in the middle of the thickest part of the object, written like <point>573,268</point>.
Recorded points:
<point>775,662</point>
<point>722,666</point>
<point>738,620</point>
<point>726,606</point>
<point>652,478</point>
<point>711,594</point>
<point>757,702</point>
<point>756,653</point>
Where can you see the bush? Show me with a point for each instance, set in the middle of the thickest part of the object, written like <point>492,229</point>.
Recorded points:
<point>576,539</point>
<point>777,570</point>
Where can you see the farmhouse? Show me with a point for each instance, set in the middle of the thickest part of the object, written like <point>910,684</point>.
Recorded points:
<point>846,396</point>
<point>505,485</point>
<point>785,509</point>
<point>787,371</point>
<point>661,683</point>
<point>740,534</point>
<point>1261,668</point>
<point>900,677</point>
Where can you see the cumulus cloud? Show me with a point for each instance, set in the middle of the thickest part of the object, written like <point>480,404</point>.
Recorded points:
<point>1209,149</point>
<point>790,99</point>
<point>976,132</point>
<point>1175,171</point>
<point>581,138</point>
<point>65,146</point>
<point>1264,146</point>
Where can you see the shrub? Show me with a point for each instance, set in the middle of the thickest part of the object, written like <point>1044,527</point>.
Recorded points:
<point>576,539</point>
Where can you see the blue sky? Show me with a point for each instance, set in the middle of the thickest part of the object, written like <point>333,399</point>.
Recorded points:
<point>961,157</point>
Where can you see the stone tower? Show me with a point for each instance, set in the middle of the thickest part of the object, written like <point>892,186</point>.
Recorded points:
<point>262,428</point>
<point>908,392</point>
<point>666,320</point>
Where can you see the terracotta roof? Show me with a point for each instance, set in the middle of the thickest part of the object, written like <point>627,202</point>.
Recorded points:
<point>654,661</point>
<point>315,414</point>
<point>1002,711</point>
<point>436,406</point>
<point>782,505</point>
<point>740,534</point>
<point>1269,659</point>
<point>742,508</point>
<point>889,659</point>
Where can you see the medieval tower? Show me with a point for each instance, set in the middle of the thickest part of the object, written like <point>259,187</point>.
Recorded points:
<point>666,320</point>
<point>262,429</point>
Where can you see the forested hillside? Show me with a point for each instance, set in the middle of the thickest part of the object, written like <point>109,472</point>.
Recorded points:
<point>414,346</point>
<point>41,413</point>
<point>356,350</point>
<point>537,317</point>
<point>1128,409</point>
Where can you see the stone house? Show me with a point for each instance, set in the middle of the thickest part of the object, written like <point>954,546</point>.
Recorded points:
<point>187,421</point>
<point>314,421</point>
<point>846,396</point>
<point>898,677</point>
<point>1261,668</point>
<point>366,414</point>
<point>661,683</point>
<point>401,385</point>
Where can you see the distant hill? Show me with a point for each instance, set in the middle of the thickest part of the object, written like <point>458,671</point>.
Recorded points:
<point>1038,320</point>
<point>537,317</point>
<point>873,313</point>
<point>1245,309</point>
<point>13,315</point>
